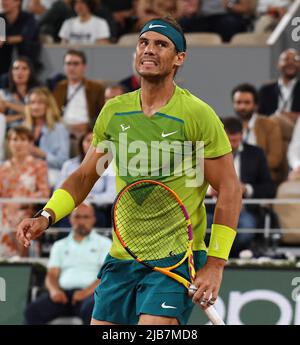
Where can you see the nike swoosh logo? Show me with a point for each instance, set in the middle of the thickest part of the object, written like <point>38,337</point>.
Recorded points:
<point>165,306</point>
<point>164,135</point>
<point>151,26</point>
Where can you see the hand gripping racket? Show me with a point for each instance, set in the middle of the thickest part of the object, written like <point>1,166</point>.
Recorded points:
<point>154,227</point>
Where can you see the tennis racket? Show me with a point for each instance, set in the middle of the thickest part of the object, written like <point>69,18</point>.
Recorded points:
<point>154,227</point>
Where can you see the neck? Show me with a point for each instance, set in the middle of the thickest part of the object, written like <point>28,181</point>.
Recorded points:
<point>12,16</point>
<point>85,17</point>
<point>287,79</point>
<point>22,89</point>
<point>234,150</point>
<point>76,81</point>
<point>78,238</point>
<point>39,122</point>
<point>156,94</point>
<point>245,125</point>
<point>19,159</point>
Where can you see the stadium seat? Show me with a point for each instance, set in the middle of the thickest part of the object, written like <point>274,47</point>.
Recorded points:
<point>202,39</point>
<point>46,39</point>
<point>250,39</point>
<point>128,40</point>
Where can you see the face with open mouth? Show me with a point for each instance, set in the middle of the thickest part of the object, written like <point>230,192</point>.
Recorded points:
<point>155,55</point>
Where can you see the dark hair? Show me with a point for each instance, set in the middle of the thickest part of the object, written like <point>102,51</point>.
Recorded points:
<point>92,5</point>
<point>232,125</point>
<point>78,53</point>
<point>32,81</point>
<point>246,88</point>
<point>80,144</point>
<point>20,131</point>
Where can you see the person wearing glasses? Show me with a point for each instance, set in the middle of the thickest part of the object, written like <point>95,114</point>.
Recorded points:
<point>79,99</point>
<point>72,270</point>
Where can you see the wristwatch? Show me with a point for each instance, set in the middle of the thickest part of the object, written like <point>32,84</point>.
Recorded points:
<point>47,215</point>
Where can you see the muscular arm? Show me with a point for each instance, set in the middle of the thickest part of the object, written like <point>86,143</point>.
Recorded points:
<point>80,183</point>
<point>221,175</point>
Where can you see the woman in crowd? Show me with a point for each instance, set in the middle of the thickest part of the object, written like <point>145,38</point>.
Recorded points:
<point>51,138</point>
<point>21,78</point>
<point>20,176</point>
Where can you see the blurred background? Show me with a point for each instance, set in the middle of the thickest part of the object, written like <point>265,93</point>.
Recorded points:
<point>61,60</point>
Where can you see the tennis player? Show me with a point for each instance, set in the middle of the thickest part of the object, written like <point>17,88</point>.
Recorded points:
<point>129,293</point>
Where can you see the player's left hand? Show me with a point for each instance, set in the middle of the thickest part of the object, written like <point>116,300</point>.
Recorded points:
<point>208,281</point>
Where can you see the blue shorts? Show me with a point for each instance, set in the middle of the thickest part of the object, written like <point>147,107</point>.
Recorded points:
<point>128,289</point>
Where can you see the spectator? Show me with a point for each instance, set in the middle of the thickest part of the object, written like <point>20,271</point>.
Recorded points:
<point>133,82</point>
<point>288,214</point>
<point>52,20</point>
<point>259,130</point>
<point>252,169</point>
<point>283,95</point>
<point>79,99</point>
<point>104,190</point>
<point>225,17</point>
<point>72,270</point>
<point>281,99</point>
<point>51,138</point>
<point>22,35</point>
<point>113,91</point>
<point>2,137</point>
<point>186,14</point>
<point>294,153</point>
<point>122,14</point>
<point>146,10</point>
<point>269,13</point>
<point>38,7</point>
<point>20,176</point>
<point>86,28</point>
<point>21,78</point>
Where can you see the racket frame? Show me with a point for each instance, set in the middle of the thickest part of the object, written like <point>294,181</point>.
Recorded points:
<point>210,311</point>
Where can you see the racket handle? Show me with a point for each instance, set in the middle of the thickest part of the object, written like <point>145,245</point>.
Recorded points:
<point>214,316</point>
<point>211,312</point>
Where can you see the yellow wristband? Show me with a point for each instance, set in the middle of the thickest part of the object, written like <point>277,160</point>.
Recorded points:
<point>61,203</point>
<point>221,240</point>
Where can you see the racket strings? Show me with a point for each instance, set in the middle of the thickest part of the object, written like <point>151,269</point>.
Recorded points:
<point>151,223</point>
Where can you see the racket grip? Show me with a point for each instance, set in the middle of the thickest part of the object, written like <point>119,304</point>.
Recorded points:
<point>214,316</point>
<point>211,312</point>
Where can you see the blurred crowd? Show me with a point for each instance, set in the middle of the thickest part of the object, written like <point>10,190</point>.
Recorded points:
<point>46,126</point>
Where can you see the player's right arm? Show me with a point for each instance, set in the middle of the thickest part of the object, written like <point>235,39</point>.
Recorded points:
<point>75,189</point>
